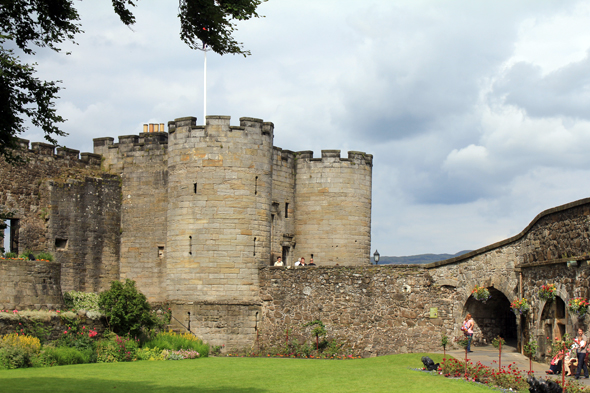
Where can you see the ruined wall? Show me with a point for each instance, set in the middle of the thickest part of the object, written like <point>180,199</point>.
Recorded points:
<point>141,162</point>
<point>283,202</point>
<point>23,188</point>
<point>84,222</point>
<point>333,207</point>
<point>375,310</point>
<point>31,285</point>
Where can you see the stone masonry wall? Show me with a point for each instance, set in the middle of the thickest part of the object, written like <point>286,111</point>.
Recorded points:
<point>375,310</point>
<point>141,161</point>
<point>283,203</point>
<point>23,188</point>
<point>84,222</point>
<point>31,285</point>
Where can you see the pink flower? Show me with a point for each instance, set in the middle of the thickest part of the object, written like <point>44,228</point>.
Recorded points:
<point>15,311</point>
<point>65,332</point>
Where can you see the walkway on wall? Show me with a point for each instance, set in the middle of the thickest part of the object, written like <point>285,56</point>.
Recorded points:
<point>488,354</point>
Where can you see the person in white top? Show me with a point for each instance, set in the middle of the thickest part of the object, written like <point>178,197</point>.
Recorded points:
<point>582,341</point>
<point>279,262</point>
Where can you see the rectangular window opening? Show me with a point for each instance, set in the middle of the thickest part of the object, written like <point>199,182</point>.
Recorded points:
<point>256,185</point>
<point>160,251</point>
<point>195,187</point>
<point>61,244</point>
<point>14,230</point>
<point>190,245</point>
<point>286,209</point>
<point>254,246</point>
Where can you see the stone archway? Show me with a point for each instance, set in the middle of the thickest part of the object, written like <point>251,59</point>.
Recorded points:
<point>553,324</point>
<point>493,318</point>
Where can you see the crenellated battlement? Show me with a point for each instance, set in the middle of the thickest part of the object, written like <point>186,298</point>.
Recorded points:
<point>59,153</point>
<point>333,156</point>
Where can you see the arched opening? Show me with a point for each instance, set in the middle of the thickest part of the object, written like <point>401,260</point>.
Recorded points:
<point>553,324</point>
<point>493,318</point>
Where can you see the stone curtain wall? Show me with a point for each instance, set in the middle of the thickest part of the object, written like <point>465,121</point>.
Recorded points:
<point>23,188</point>
<point>375,310</point>
<point>84,224</point>
<point>562,232</point>
<point>30,285</point>
<point>141,161</point>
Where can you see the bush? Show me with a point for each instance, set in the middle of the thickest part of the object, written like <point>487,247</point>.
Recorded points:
<point>17,351</point>
<point>60,356</point>
<point>114,349</point>
<point>176,342</point>
<point>82,300</point>
<point>126,309</point>
<point>45,255</point>
<point>11,255</point>
<point>25,254</point>
<point>150,354</point>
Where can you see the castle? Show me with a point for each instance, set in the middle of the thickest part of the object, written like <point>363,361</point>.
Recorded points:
<point>197,215</point>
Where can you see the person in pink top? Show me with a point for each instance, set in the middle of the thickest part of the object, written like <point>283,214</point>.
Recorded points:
<point>467,329</point>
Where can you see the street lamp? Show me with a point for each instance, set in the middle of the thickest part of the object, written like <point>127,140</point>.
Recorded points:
<point>376,256</point>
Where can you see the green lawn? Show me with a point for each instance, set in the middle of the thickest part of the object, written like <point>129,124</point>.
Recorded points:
<point>242,375</point>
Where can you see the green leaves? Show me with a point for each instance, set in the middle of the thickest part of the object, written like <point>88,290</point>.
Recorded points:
<point>125,308</point>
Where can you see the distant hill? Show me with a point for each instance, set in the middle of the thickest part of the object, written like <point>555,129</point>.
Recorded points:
<point>417,259</point>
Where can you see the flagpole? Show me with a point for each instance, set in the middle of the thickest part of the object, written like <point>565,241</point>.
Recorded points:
<point>205,86</point>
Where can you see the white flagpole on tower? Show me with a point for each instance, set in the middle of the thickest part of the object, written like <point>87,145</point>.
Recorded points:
<point>205,86</point>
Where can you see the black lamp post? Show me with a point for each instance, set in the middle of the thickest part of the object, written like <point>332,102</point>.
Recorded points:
<point>376,256</point>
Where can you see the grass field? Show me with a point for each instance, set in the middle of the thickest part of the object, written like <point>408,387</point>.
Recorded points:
<point>242,375</point>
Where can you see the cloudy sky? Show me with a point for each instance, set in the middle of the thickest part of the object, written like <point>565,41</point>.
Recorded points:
<point>477,113</point>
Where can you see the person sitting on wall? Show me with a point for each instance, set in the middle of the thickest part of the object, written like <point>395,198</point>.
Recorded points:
<point>556,363</point>
<point>279,262</point>
<point>311,262</point>
<point>298,263</point>
<point>302,261</point>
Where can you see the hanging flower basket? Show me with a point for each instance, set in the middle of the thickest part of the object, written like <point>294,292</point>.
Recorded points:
<point>520,306</point>
<point>547,292</point>
<point>481,294</point>
<point>578,305</point>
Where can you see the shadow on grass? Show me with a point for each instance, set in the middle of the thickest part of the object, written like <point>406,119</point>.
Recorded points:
<point>89,385</point>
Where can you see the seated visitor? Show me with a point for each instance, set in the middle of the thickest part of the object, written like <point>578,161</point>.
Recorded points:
<point>311,262</point>
<point>298,263</point>
<point>570,361</point>
<point>556,364</point>
<point>279,262</point>
<point>302,261</point>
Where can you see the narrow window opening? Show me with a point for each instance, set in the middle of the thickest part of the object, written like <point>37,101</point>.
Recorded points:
<point>160,251</point>
<point>189,321</point>
<point>286,209</point>
<point>61,244</point>
<point>256,185</point>
<point>14,229</point>
<point>195,187</point>
<point>190,245</point>
<point>311,256</point>
<point>254,246</point>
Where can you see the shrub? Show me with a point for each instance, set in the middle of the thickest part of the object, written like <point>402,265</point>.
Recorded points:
<point>175,342</point>
<point>17,351</point>
<point>45,255</point>
<point>114,348</point>
<point>82,300</point>
<point>25,254</point>
<point>126,309</point>
<point>11,255</point>
<point>60,356</point>
<point>150,354</point>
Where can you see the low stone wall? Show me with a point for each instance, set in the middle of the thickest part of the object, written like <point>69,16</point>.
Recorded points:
<point>31,285</point>
<point>50,322</point>
<point>374,310</point>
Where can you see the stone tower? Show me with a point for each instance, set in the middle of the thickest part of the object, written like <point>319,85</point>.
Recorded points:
<point>218,217</point>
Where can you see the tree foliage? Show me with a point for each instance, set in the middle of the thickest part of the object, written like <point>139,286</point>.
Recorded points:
<point>24,24</point>
<point>125,308</point>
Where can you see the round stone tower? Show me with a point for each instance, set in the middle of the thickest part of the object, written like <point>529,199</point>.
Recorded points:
<point>218,220</point>
<point>333,207</point>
